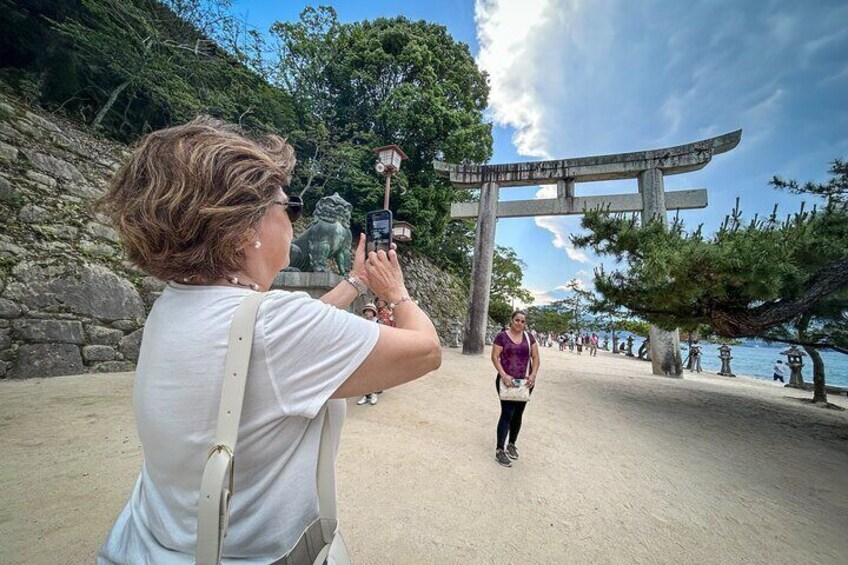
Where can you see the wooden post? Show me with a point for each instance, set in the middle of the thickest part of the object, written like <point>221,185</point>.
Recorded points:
<point>388,191</point>
<point>481,276</point>
<point>665,346</point>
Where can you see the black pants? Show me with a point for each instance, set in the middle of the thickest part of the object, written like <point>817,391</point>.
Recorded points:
<point>510,420</point>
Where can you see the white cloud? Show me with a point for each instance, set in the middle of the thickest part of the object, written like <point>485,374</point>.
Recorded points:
<point>540,298</point>
<point>561,228</point>
<point>574,78</point>
<point>507,53</point>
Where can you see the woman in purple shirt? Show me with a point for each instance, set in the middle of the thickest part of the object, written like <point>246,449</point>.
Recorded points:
<point>512,350</point>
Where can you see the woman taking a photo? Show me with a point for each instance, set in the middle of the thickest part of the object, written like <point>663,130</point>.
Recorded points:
<point>515,355</point>
<point>204,208</point>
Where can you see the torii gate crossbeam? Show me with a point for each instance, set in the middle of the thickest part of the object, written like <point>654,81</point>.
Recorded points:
<point>647,167</point>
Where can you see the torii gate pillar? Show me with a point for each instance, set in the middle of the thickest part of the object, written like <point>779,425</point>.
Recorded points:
<point>665,345</point>
<point>481,277</point>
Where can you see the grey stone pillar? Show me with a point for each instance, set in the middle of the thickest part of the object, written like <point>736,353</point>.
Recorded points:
<point>481,275</point>
<point>665,346</point>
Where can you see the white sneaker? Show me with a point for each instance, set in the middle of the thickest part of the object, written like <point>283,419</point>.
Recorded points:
<point>362,400</point>
<point>373,399</point>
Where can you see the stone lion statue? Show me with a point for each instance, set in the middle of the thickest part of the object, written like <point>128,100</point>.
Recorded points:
<point>327,237</point>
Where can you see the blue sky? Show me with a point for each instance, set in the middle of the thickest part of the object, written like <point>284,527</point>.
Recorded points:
<point>571,78</point>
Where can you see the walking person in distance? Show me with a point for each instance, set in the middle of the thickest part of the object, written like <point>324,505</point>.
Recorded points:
<point>779,371</point>
<point>515,355</point>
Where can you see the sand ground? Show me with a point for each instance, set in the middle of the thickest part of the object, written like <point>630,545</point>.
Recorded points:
<point>617,466</point>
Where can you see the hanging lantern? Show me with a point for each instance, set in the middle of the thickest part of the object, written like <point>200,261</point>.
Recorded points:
<point>402,231</point>
<point>389,158</point>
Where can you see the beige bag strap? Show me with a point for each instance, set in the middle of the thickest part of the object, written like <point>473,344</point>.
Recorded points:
<point>217,485</point>
<point>326,473</point>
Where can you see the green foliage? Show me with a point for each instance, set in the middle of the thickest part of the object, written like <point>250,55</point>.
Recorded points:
<point>635,327</point>
<point>834,191</point>
<point>132,66</point>
<point>549,318</point>
<point>756,278</point>
<point>455,250</point>
<point>336,90</point>
<point>780,279</point>
<point>361,85</point>
<point>746,278</point>
<point>507,276</point>
<point>500,311</point>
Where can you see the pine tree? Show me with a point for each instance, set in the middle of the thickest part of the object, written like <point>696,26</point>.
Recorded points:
<point>783,279</point>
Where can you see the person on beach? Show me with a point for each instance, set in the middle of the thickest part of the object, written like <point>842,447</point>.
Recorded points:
<point>512,350</point>
<point>204,208</point>
<point>369,312</point>
<point>593,345</point>
<point>578,342</point>
<point>695,352</point>
<point>779,371</point>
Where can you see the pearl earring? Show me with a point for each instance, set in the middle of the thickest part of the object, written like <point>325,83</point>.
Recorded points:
<point>257,244</point>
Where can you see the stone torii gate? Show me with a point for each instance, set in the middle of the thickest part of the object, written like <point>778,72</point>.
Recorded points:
<point>647,167</point>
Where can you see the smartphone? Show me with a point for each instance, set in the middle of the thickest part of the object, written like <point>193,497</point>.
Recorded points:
<point>378,231</point>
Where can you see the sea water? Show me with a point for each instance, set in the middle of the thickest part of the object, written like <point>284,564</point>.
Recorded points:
<point>757,360</point>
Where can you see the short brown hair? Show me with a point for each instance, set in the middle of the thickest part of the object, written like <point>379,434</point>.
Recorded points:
<point>189,195</point>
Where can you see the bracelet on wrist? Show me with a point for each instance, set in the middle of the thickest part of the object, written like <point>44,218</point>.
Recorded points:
<point>356,283</point>
<point>404,298</point>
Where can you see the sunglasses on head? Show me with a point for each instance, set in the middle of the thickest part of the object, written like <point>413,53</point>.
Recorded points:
<point>294,207</point>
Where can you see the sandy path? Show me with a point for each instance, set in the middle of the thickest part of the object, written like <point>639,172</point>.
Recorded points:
<point>616,466</point>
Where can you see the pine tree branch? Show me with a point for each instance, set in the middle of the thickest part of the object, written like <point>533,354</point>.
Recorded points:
<point>803,343</point>
<point>756,321</point>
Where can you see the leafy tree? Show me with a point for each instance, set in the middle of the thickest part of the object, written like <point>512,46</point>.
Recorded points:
<point>500,312</point>
<point>554,317</point>
<point>507,275</point>
<point>578,304</point>
<point>379,82</point>
<point>457,247</point>
<point>764,278</point>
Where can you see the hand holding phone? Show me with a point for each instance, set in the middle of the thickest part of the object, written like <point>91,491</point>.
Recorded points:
<point>378,231</point>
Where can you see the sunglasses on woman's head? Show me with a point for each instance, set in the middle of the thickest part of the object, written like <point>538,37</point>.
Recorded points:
<point>294,207</point>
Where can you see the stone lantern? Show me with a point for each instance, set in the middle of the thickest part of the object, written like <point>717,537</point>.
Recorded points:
<point>796,363</point>
<point>630,346</point>
<point>724,355</point>
<point>389,158</point>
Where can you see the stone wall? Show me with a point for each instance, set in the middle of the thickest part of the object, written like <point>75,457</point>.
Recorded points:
<point>69,302</point>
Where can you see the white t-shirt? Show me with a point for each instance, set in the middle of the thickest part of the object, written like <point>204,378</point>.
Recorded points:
<point>303,350</point>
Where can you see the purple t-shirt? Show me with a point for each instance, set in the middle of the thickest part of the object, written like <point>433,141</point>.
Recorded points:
<point>515,356</point>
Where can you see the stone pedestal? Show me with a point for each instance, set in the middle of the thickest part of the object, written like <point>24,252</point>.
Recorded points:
<point>315,285</point>
<point>726,357</point>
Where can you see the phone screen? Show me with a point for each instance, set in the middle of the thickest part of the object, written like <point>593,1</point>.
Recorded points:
<point>378,230</point>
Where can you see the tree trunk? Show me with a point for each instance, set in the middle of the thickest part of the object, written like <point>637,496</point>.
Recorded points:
<point>109,103</point>
<point>819,392</point>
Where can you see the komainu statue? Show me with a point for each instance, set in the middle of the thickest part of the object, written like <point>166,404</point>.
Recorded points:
<point>327,237</point>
